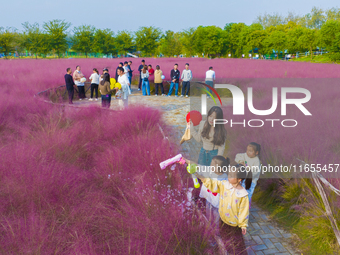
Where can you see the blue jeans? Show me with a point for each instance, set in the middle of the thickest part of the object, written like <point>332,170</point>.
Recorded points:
<point>205,157</point>
<point>211,84</point>
<point>145,88</point>
<point>172,87</point>
<point>130,79</point>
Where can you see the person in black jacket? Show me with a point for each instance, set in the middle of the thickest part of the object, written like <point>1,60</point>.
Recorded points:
<point>175,75</point>
<point>140,68</point>
<point>116,74</point>
<point>69,85</point>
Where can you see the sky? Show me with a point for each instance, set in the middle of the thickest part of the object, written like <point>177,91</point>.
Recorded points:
<point>129,15</point>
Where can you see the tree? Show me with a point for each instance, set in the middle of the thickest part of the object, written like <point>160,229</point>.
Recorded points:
<point>210,40</point>
<point>329,34</point>
<point>308,40</point>
<point>228,26</point>
<point>251,37</point>
<point>83,39</point>
<point>186,39</point>
<point>333,14</point>
<point>314,19</point>
<point>104,42</point>
<point>34,40</point>
<point>277,41</point>
<point>267,20</point>
<point>293,35</point>
<point>124,42</point>
<point>57,32</point>
<point>7,41</point>
<point>170,44</point>
<point>147,39</point>
<point>233,39</point>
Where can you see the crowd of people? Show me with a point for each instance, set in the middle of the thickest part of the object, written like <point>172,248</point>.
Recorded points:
<point>102,83</point>
<point>227,190</point>
<point>123,76</point>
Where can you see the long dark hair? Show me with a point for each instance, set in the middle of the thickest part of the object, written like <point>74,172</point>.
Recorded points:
<point>241,173</point>
<point>96,70</point>
<point>106,77</point>
<point>220,134</point>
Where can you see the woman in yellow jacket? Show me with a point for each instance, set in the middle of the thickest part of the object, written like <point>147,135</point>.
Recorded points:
<point>158,80</point>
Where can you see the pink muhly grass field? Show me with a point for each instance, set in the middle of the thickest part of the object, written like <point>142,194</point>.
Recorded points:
<point>55,194</point>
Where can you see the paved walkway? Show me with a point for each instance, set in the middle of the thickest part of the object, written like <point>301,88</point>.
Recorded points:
<point>263,236</point>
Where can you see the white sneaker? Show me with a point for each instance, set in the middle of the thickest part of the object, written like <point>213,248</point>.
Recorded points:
<point>156,95</point>
<point>186,96</point>
<point>80,99</point>
<point>96,99</point>
<point>138,89</point>
<point>91,99</point>
<point>163,95</point>
<point>181,95</point>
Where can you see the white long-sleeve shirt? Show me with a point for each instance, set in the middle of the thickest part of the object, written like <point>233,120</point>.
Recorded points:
<point>210,75</point>
<point>124,82</point>
<point>144,75</point>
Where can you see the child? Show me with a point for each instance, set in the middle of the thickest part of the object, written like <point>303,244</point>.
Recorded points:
<point>251,159</point>
<point>218,164</point>
<point>234,206</point>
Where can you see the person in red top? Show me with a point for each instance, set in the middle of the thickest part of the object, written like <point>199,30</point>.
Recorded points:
<point>151,72</point>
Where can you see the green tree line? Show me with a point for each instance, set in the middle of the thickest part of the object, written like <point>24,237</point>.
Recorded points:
<point>269,34</point>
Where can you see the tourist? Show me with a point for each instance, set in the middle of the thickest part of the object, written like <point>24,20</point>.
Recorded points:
<point>213,139</point>
<point>123,80</point>
<point>158,80</point>
<point>209,78</point>
<point>105,90</point>
<point>174,74</point>
<point>140,68</point>
<point>116,74</point>
<point>217,170</point>
<point>77,76</point>
<point>145,81</point>
<point>130,72</point>
<point>151,71</point>
<point>233,207</point>
<point>251,159</point>
<point>186,78</point>
<point>94,78</point>
<point>69,85</point>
